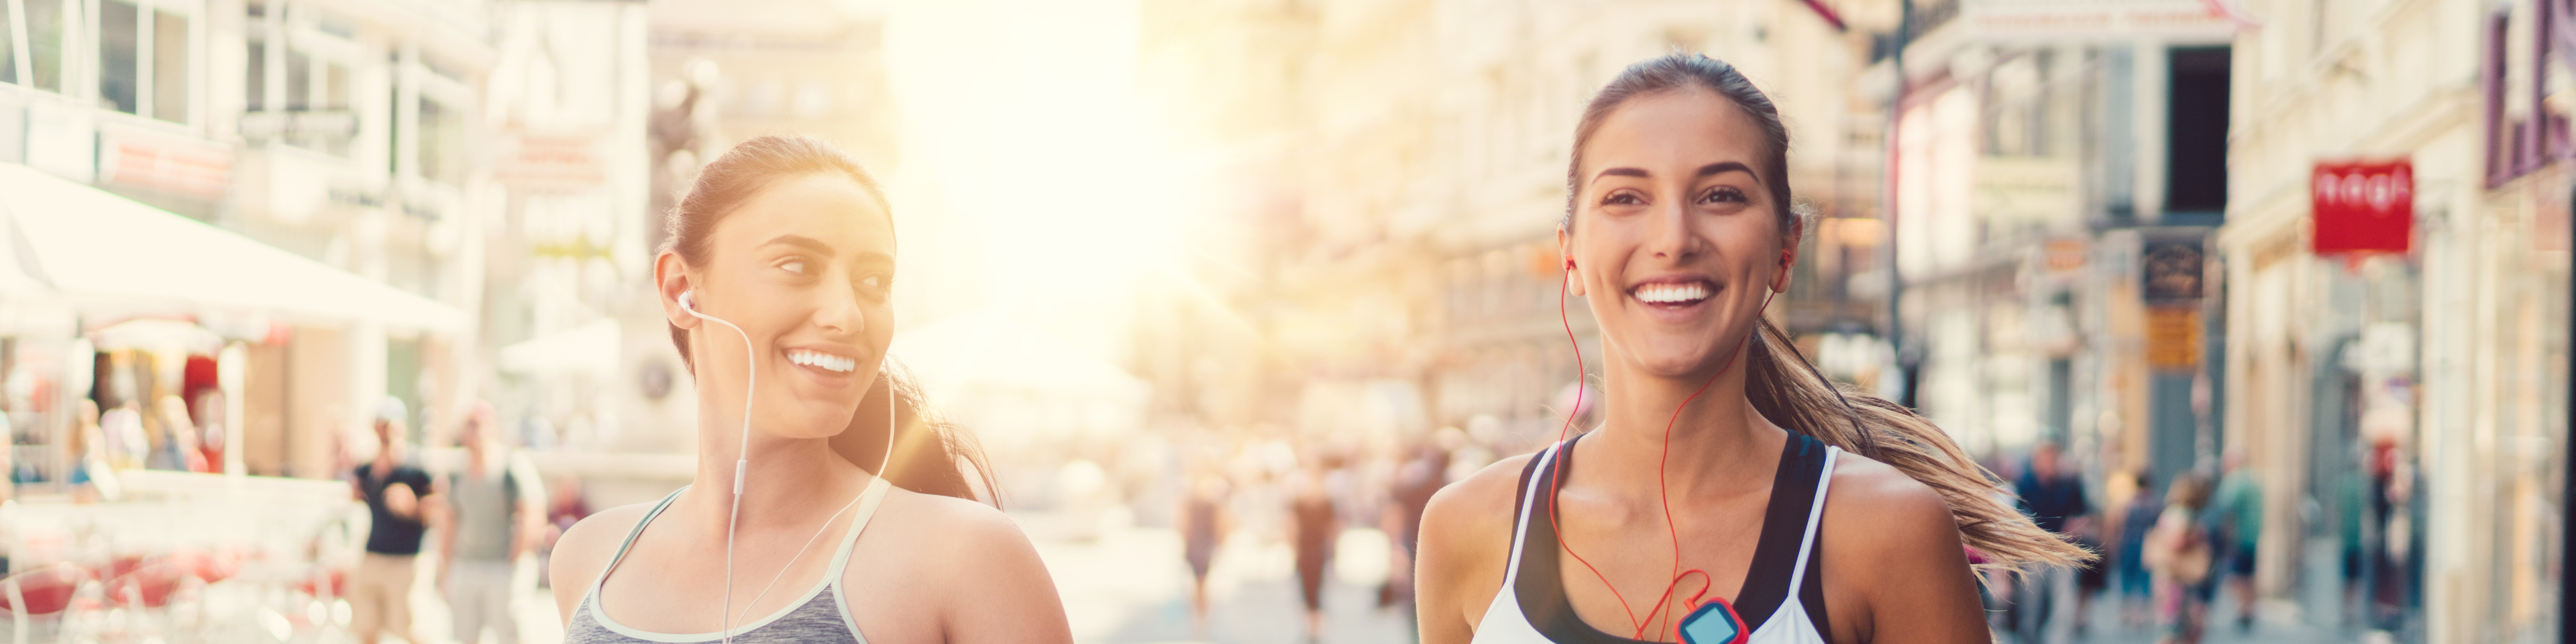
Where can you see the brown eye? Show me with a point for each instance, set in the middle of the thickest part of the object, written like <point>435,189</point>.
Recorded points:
<point>1723,195</point>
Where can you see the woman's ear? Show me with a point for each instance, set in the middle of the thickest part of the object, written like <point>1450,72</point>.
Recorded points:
<point>1788,254</point>
<point>671,281</point>
<point>1565,252</point>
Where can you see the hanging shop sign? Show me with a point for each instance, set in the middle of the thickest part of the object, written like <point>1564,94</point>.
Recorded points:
<point>2362,207</point>
<point>2174,338</point>
<point>2171,271</point>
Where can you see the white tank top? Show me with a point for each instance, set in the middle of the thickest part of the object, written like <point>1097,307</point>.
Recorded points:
<point>1506,622</point>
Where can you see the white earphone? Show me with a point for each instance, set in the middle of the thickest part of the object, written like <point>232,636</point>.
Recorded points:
<point>742,455</point>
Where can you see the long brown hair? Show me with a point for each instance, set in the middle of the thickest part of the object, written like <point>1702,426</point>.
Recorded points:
<point>1801,399</point>
<point>932,456</point>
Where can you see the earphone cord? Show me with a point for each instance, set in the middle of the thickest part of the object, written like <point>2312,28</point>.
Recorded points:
<point>800,550</point>
<point>741,463</point>
<point>1663,492</point>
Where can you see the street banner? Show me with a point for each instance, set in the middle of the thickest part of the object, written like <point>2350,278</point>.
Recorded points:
<point>2362,207</point>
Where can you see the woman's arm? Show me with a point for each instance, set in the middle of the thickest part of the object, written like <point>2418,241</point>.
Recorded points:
<point>584,550</point>
<point>1892,553</point>
<point>1000,590</point>
<point>1466,542</point>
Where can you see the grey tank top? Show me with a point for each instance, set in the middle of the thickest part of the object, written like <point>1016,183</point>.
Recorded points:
<point>485,508</point>
<point>823,616</point>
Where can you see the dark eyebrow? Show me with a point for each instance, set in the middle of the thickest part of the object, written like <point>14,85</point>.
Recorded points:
<point>1622,172</point>
<point>1723,167</point>
<point>808,243</point>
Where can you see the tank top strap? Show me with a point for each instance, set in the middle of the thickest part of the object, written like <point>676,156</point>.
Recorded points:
<point>1533,481</point>
<point>1815,517</point>
<point>631,534</point>
<point>868,501</point>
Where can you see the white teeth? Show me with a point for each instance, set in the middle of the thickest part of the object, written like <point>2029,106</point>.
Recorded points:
<point>1671,293</point>
<point>824,360</point>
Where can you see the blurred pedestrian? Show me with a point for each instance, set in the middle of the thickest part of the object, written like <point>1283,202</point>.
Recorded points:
<point>1316,522</point>
<point>123,427</point>
<point>396,491</point>
<point>2235,518</point>
<point>565,507</point>
<point>1414,482</point>
<point>1203,528</point>
<point>2050,604</point>
<point>490,518</point>
<point>92,477</point>
<point>177,448</point>
<point>2138,517</point>
<point>2178,552</point>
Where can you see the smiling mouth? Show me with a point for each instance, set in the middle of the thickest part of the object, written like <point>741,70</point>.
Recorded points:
<point>821,360</point>
<point>1671,294</point>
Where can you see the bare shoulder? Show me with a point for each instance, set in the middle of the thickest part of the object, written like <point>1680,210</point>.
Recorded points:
<point>1886,507</point>
<point>949,518</point>
<point>1480,505</point>
<point>964,564</point>
<point>1466,544</point>
<point>585,549</point>
<point>961,541</point>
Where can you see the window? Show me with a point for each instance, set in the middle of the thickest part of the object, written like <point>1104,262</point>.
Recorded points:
<point>8,46</point>
<point>116,49</point>
<point>143,61</point>
<point>170,61</point>
<point>442,142</point>
<point>318,78</point>
<point>41,37</point>
<point>255,78</point>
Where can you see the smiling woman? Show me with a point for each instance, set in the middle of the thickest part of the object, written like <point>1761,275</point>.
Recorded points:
<point>1730,494</point>
<point>777,284</point>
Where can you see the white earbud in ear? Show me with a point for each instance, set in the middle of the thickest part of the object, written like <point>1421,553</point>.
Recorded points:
<point>688,300</point>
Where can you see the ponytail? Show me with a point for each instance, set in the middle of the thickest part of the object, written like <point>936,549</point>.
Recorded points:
<point>931,455</point>
<point>1799,400</point>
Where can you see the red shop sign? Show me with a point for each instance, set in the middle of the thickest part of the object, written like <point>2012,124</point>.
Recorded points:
<point>2366,207</point>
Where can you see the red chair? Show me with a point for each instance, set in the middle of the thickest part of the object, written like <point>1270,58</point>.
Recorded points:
<point>40,592</point>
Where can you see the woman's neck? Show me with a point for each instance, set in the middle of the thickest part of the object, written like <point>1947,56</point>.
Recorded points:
<point>782,482</point>
<point>1717,440</point>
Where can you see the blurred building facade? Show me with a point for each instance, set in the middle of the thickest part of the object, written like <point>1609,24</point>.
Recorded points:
<point>1402,166</point>
<point>2405,398</point>
<point>345,131</point>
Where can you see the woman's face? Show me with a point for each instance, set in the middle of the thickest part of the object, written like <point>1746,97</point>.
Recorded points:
<point>1675,241</point>
<point>805,267</point>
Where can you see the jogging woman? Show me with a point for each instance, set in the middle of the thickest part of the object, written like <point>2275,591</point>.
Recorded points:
<point>1728,492</point>
<point>776,283</point>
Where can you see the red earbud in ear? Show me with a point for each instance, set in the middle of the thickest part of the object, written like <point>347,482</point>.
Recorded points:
<point>1569,262</point>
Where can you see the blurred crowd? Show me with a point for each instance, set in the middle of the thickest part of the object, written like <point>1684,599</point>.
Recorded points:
<point>2169,549</point>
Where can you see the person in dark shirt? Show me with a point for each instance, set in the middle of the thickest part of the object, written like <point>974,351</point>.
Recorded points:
<point>399,496</point>
<point>2053,496</point>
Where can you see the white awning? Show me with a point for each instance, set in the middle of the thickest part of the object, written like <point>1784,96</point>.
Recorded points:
<point>90,246</point>
<point>589,348</point>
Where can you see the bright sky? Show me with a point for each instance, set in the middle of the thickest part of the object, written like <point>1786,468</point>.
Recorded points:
<point>1034,196</point>
<point>1040,188</point>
